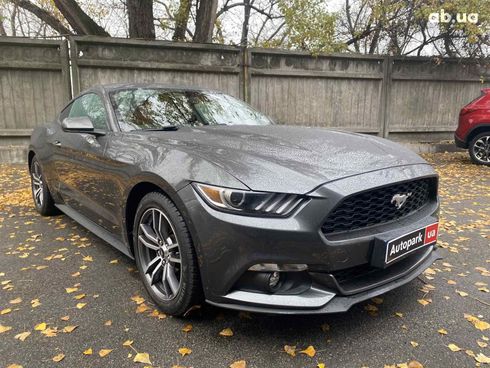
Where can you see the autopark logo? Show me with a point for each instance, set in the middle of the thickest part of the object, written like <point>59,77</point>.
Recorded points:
<point>443,17</point>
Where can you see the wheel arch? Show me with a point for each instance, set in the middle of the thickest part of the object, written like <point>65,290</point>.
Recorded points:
<point>136,193</point>
<point>30,157</point>
<point>480,128</point>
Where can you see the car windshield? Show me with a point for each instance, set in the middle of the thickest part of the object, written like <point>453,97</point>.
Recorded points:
<point>153,109</point>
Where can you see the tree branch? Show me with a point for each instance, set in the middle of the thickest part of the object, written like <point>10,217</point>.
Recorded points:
<point>44,16</point>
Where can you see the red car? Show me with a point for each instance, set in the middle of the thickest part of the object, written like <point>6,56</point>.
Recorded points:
<point>473,130</point>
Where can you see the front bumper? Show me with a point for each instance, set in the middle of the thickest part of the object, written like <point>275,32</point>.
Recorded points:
<point>328,302</point>
<point>459,142</point>
<point>227,245</point>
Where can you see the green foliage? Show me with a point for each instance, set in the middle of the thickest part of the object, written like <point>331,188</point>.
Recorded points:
<point>308,26</point>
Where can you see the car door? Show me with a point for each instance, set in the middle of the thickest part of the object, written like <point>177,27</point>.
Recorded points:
<point>82,168</point>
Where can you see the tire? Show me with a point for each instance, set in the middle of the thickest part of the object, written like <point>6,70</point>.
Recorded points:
<point>43,201</point>
<point>477,148</point>
<point>157,250</point>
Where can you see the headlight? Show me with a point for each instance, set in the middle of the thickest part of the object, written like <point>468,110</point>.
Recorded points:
<point>248,202</point>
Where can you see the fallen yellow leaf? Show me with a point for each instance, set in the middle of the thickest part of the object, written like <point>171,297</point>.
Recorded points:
<point>88,259</point>
<point>65,318</point>
<point>479,324</point>
<point>104,352</point>
<point>442,331</point>
<point>239,364</point>
<point>69,329</point>
<point>187,328</point>
<point>16,301</point>
<point>454,347</point>
<point>414,364</point>
<point>71,290</point>
<point>40,327</point>
<point>35,303</point>
<point>290,349</point>
<point>461,293</point>
<point>424,302</point>
<point>4,328</point>
<point>142,358</point>
<point>81,305</point>
<point>88,351</point>
<point>310,351</point>
<point>414,344</point>
<point>108,323</point>
<point>128,343</point>
<point>22,336</point>
<point>14,366</point>
<point>185,351</point>
<point>5,311</point>
<point>482,358</point>
<point>137,299</point>
<point>142,308</point>
<point>114,261</point>
<point>58,358</point>
<point>226,332</point>
<point>50,332</point>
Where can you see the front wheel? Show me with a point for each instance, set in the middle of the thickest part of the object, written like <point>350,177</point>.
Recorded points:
<point>40,192</point>
<point>165,255</point>
<point>480,149</point>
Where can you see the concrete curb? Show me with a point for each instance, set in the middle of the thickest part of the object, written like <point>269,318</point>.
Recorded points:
<point>13,154</point>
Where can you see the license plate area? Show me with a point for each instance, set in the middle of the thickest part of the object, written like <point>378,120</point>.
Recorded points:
<point>389,251</point>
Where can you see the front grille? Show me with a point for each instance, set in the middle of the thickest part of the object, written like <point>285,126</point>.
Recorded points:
<point>374,207</point>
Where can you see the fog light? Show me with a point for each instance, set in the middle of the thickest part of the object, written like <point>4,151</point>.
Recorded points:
<point>274,279</point>
<point>271,267</point>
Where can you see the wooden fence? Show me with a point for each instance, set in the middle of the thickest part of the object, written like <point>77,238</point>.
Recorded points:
<point>414,97</point>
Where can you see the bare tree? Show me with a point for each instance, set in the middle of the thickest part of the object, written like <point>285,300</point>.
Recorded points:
<point>246,22</point>
<point>81,23</point>
<point>3,32</point>
<point>205,18</point>
<point>140,19</point>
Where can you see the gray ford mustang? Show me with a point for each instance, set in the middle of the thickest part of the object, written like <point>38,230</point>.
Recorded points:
<point>215,202</point>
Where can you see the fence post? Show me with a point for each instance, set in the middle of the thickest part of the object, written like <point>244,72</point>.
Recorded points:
<point>384,128</point>
<point>245,75</point>
<point>65,69</point>
<point>75,76</point>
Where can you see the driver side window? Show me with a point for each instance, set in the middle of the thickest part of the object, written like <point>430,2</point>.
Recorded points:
<point>90,105</point>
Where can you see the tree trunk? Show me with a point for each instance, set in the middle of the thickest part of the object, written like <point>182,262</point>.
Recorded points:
<point>205,18</point>
<point>140,17</point>
<point>81,23</point>
<point>44,15</point>
<point>2,28</point>
<point>246,22</point>
<point>181,20</point>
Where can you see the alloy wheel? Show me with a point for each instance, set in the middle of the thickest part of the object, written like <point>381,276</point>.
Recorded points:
<point>160,253</point>
<point>37,184</point>
<point>481,149</point>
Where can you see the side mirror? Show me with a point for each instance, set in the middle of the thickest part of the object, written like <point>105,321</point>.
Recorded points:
<point>81,124</point>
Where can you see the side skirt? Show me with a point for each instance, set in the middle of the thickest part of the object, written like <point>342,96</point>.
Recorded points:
<point>96,229</point>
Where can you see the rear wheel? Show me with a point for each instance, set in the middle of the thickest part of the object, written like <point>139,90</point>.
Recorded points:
<point>165,255</point>
<point>479,149</point>
<point>40,192</point>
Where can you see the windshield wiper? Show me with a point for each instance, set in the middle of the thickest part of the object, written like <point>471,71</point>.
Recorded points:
<point>163,128</point>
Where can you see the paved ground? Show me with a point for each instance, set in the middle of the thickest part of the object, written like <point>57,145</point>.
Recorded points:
<point>42,258</point>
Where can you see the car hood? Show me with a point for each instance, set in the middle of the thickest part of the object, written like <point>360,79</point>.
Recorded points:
<point>287,159</point>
